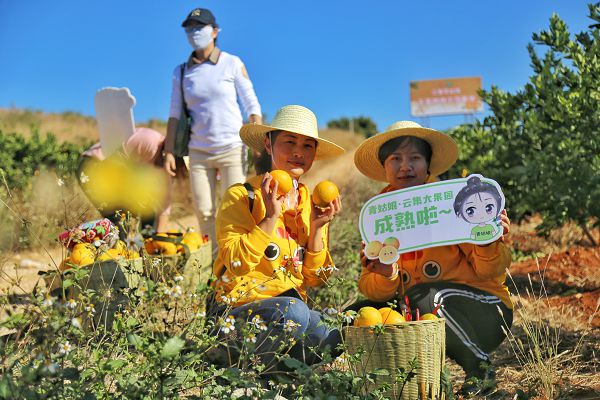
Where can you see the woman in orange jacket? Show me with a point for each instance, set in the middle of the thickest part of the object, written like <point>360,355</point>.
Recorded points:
<point>464,283</point>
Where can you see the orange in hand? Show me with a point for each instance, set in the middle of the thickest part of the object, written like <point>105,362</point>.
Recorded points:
<point>325,192</point>
<point>284,181</point>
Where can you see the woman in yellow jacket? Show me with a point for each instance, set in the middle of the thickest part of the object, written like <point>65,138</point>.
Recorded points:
<point>465,283</point>
<point>272,246</point>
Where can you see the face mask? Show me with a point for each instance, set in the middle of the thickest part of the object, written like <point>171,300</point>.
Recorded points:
<point>200,38</point>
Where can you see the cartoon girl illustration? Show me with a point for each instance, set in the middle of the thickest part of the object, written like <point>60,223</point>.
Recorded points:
<point>479,203</point>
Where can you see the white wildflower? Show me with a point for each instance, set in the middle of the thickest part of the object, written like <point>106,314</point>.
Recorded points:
<point>331,268</point>
<point>71,303</point>
<point>178,278</point>
<point>48,301</point>
<point>226,300</point>
<point>90,308</point>
<point>200,314</point>
<point>65,348</point>
<point>258,323</point>
<point>76,322</point>
<point>290,326</point>
<point>250,338</point>
<point>347,317</point>
<point>177,291</point>
<point>228,325</point>
<point>83,178</point>
<point>60,182</point>
<point>156,262</point>
<point>225,279</point>
<point>108,294</point>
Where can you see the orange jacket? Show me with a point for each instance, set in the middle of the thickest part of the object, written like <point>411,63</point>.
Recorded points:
<point>258,265</point>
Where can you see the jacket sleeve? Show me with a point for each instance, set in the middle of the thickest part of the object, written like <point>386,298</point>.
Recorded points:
<point>176,99</point>
<point>318,266</point>
<point>241,242</point>
<point>487,261</point>
<point>377,287</point>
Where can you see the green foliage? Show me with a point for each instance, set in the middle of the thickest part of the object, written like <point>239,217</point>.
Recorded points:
<point>542,143</point>
<point>363,125</point>
<point>21,158</point>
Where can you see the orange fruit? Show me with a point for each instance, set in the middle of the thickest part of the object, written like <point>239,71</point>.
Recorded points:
<point>82,254</point>
<point>283,179</point>
<point>367,316</point>
<point>149,245</point>
<point>325,192</point>
<point>428,316</point>
<point>192,240</point>
<point>390,316</point>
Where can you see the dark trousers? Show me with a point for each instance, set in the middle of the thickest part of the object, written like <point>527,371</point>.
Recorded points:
<point>474,319</point>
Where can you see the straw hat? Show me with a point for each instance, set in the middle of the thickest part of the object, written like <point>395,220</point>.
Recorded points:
<point>296,119</point>
<point>444,150</point>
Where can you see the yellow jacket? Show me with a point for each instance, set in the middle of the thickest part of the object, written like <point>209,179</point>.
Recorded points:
<point>482,267</point>
<point>257,265</point>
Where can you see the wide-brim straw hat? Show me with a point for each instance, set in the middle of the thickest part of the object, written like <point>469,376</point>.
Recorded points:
<point>295,119</point>
<point>444,151</point>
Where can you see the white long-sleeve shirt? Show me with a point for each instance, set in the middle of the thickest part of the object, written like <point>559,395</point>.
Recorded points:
<point>212,90</point>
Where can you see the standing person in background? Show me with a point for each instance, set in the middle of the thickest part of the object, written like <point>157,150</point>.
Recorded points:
<point>213,80</point>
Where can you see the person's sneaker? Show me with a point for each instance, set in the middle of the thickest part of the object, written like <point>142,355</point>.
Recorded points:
<point>480,381</point>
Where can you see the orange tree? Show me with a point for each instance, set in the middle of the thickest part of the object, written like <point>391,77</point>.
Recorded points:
<point>542,143</point>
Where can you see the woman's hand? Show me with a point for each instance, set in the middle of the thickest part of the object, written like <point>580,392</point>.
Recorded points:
<point>273,203</point>
<point>321,216</point>
<point>375,266</point>
<point>505,222</point>
<point>170,164</point>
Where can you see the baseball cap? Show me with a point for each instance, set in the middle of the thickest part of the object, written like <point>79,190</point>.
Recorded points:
<point>201,15</point>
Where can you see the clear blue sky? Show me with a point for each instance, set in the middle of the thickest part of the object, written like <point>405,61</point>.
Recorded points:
<point>339,58</point>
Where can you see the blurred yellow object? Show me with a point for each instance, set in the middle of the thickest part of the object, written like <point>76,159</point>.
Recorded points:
<point>121,247</point>
<point>118,183</point>
<point>428,316</point>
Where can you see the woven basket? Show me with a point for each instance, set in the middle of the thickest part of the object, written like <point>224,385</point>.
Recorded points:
<point>396,347</point>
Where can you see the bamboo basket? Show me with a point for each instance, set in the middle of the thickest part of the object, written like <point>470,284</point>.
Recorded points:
<point>112,276</point>
<point>396,347</point>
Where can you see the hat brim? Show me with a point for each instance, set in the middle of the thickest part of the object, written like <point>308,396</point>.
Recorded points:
<point>444,151</point>
<point>254,136</point>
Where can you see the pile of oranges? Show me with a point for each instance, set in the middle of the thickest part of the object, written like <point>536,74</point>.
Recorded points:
<point>171,246</point>
<point>370,316</point>
<point>86,253</point>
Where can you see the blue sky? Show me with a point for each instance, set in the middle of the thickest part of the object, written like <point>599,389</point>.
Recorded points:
<point>339,58</point>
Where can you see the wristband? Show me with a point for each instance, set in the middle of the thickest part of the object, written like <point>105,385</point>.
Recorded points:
<point>394,272</point>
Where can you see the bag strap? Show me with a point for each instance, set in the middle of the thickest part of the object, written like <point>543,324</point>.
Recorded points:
<point>251,196</point>
<point>181,71</point>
